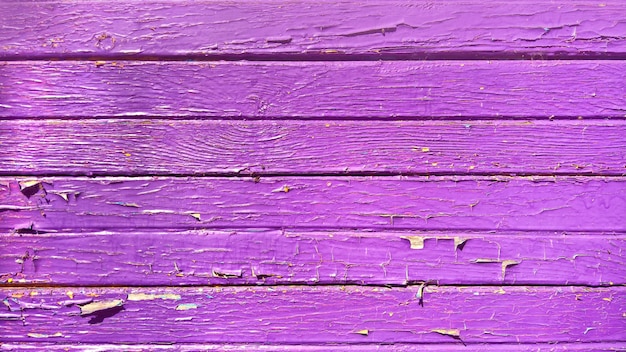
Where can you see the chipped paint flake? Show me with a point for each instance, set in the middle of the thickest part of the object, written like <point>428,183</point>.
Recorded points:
<point>448,332</point>
<point>94,307</point>
<point>506,264</point>
<point>186,306</point>
<point>151,297</point>
<point>125,204</point>
<point>458,242</point>
<point>44,336</point>
<point>63,195</point>
<point>158,211</point>
<point>284,189</point>
<point>417,242</point>
<point>184,319</point>
<point>227,274</point>
<point>363,332</point>
<point>195,216</point>
<point>29,184</point>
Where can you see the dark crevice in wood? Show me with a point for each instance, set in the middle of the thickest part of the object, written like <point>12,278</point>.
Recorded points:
<point>320,56</point>
<point>614,117</point>
<point>425,231</point>
<point>412,284</point>
<point>257,175</point>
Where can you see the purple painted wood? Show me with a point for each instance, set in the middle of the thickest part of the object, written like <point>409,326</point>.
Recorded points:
<point>321,29</point>
<point>300,134</point>
<point>330,257</point>
<point>301,315</point>
<point>396,89</point>
<point>396,347</point>
<point>439,203</point>
<point>163,147</point>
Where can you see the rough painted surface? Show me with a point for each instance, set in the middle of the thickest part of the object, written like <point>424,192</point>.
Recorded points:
<point>483,203</point>
<point>162,159</point>
<point>321,29</point>
<point>165,147</point>
<point>365,90</point>
<point>329,257</point>
<point>396,347</point>
<point>301,315</point>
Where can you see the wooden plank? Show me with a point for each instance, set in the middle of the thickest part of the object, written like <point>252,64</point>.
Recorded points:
<point>193,147</point>
<point>385,89</point>
<point>330,257</point>
<point>322,29</point>
<point>596,204</point>
<point>586,347</point>
<point>304,315</point>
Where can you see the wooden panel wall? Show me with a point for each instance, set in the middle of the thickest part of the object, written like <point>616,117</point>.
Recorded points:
<point>281,175</point>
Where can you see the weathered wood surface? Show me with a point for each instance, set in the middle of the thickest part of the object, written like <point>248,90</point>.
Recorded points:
<point>215,185</point>
<point>301,314</point>
<point>299,90</point>
<point>396,347</point>
<point>439,203</point>
<point>193,147</point>
<point>329,257</point>
<point>317,30</point>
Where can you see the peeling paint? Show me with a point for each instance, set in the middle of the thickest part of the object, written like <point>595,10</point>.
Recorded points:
<point>98,306</point>
<point>150,297</point>
<point>413,95</point>
<point>196,216</point>
<point>506,264</point>
<point>186,306</point>
<point>226,274</point>
<point>417,242</point>
<point>456,333</point>
<point>44,336</point>
<point>239,314</point>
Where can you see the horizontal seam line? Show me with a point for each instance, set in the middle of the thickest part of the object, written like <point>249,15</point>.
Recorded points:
<point>608,118</point>
<point>411,284</point>
<point>320,57</point>
<point>481,176</point>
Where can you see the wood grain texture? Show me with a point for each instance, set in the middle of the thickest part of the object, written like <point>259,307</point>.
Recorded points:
<point>193,147</point>
<point>396,347</point>
<point>323,29</point>
<point>330,257</point>
<point>482,203</point>
<point>304,90</point>
<point>301,315</point>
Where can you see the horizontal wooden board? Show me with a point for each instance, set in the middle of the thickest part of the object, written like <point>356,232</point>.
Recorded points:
<point>302,314</point>
<point>482,203</point>
<point>321,29</point>
<point>384,89</point>
<point>396,347</point>
<point>195,147</point>
<point>330,257</point>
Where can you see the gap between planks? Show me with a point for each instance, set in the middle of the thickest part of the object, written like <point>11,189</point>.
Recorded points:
<point>355,347</point>
<point>313,57</point>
